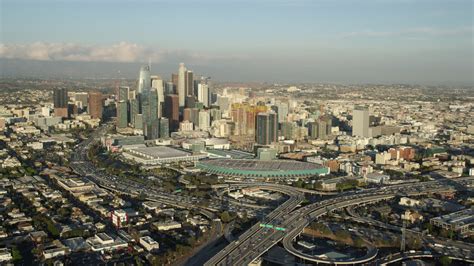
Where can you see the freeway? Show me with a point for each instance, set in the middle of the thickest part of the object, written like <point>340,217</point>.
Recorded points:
<point>393,258</point>
<point>231,254</point>
<point>81,165</point>
<point>257,242</point>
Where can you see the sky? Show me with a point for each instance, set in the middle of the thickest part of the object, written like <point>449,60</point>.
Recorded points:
<point>352,41</point>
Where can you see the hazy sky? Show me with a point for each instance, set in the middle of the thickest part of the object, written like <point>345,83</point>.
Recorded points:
<point>413,41</point>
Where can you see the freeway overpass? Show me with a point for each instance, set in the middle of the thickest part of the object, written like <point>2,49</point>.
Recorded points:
<point>245,251</point>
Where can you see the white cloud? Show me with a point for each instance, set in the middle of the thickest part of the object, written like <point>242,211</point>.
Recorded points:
<point>120,52</point>
<point>413,32</point>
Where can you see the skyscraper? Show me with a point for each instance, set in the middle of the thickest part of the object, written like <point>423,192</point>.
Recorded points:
<point>60,99</point>
<point>282,108</point>
<point>133,111</point>
<point>157,83</point>
<point>360,121</point>
<point>191,115</point>
<point>174,80</point>
<point>154,104</point>
<point>144,79</point>
<point>151,129</point>
<point>266,130</point>
<point>95,105</point>
<point>321,128</point>
<point>123,93</point>
<point>164,127</point>
<point>204,120</point>
<point>287,129</point>
<point>190,101</point>
<point>189,83</point>
<point>181,84</point>
<point>122,114</point>
<point>203,93</point>
<point>171,111</point>
<point>169,88</point>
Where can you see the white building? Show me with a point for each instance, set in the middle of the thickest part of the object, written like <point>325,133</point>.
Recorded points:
<point>119,218</point>
<point>360,122</point>
<point>165,226</point>
<point>186,126</point>
<point>5,255</point>
<point>148,243</point>
<point>157,83</point>
<point>203,94</point>
<point>404,201</point>
<point>103,242</point>
<point>181,84</point>
<point>382,158</point>
<point>204,120</point>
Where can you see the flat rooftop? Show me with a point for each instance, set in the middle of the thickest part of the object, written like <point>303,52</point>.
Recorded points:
<point>257,165</point>
<point>234,154</point>
<point>459,218</point>
<point>161,152</point>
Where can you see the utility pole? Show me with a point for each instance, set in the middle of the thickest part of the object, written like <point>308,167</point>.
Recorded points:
<point>402,242</point>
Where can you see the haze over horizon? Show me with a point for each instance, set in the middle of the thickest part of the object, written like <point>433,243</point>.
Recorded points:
<point>379,41</point>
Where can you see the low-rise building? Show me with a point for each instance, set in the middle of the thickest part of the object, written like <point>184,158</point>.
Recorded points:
<point>165,226</point>
<point>461,222</point>
<point>5,255</point>
<point>149,243</point>
<point>104,242</point>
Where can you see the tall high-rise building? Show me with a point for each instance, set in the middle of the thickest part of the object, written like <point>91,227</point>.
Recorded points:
<point>181,84</point>
<point>133,111</point>
<point>287,129</point>
<point>169,88</point>
<point>154,104</point>
<point>151,129</point>
<point>321,128</point>
<point>123,93</point>
<point>144,79</point>
<point>189,83</point>
<point>216,114</point>
<point>203,93</point>
<point>282,110</point>
<point>138,121</point>
<point>171,111</point>
<point>157,83</point>
<point>191,115</point>
<point>95,104</point>
<point>266,130</point>
<point>174,80</point>
<point>81,99</point>
<point>164,127</point>
<point>360,122</point>
<point>190,101</point>
<point>122,114</point>
<point>224,103</point>
<point>204,120</point>
<point>60,99</point>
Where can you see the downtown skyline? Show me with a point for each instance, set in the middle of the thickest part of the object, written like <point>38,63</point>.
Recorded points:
<point>424,42</point>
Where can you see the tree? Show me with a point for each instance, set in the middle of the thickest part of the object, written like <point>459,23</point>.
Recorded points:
<point>16,255</point>
<point>225,217</point>
<point>359,242</point>
<point>318,185</point>
<point>445,260</point>
<point>342,234</point>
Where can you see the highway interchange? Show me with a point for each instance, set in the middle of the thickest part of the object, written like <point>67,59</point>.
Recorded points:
<point>289,215</point>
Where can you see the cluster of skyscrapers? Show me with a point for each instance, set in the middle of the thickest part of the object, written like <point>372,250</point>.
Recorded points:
<point>157,107</point>
<point>92,102</point>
